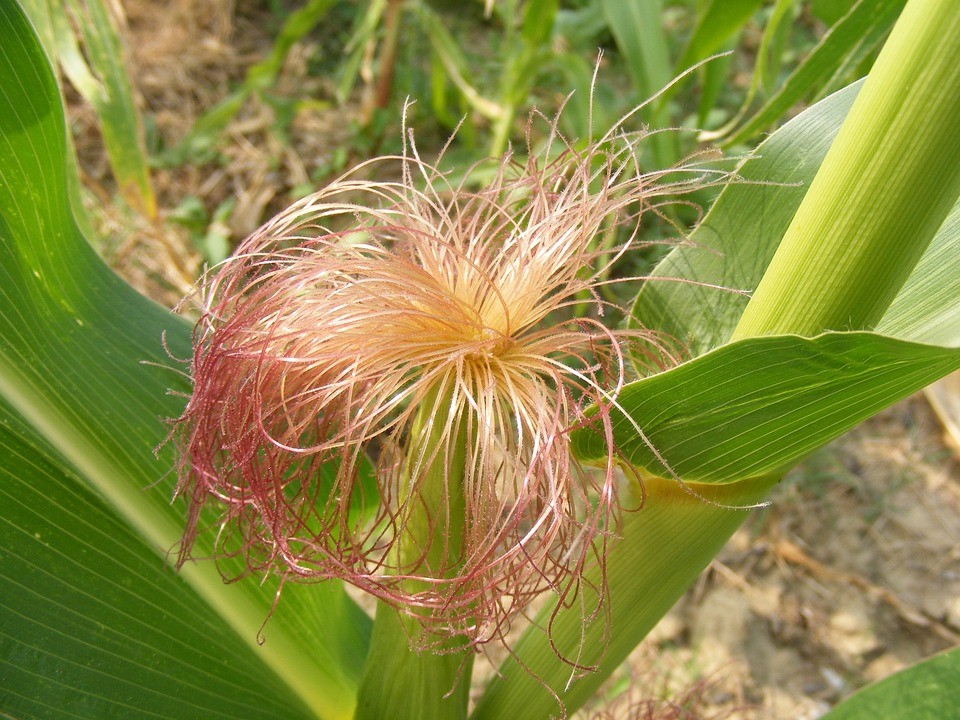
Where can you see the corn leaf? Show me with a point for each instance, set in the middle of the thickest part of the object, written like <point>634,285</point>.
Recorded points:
<point>864,24</point>
<point>927,309</point>
<point>92,625</point>
<point>758,406</point>
<point>926,691</point>
<point>100,75</point>
<point>887,184</point>
<point>829,11</point>
<point>718,23</point>
<point>748,410</point>
<point>84,367</point>
<point>733,245</point>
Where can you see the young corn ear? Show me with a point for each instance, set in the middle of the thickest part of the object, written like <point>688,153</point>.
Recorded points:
<point>439,331</point>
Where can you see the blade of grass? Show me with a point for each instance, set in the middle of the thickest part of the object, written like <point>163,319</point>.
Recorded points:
<point>713,81</point>
<point>455,64</point>
<point>263,74</point>
<point>766,65</point>
<point>774,44</point>
<point>843,39</point>
<point>636,25</point>
<point>361,35</point>
<point>717,24</point>
<point>101,78</point>
<point>521,66</point>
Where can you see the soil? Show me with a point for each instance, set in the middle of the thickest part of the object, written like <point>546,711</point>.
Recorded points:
<point>851,573</point>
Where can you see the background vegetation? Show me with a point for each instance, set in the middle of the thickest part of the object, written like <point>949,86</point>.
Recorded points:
<point>193,123</point>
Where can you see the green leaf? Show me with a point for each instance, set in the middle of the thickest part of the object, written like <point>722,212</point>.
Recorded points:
<point>692,295</point>
<point>101,77</point>
<point>92,624</point>
<point>889,181</point>
<point>773,48</point>
<point>538,19</point>
<point>636,25</point>
<point>733,245</point>
<point>758,406</point>
<point>829,11</point>
<point>713,80</point>
<point>868,19</point>
<point>927,309</point>
<point>364,27</point>
<point>926,691</point>
<point>719,22</point>
<point>738,415</point>
<point>84,362</point>
<point>524,56</point>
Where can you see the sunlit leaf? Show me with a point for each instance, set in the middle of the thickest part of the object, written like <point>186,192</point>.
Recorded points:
<point>748,411</point>
<point>760,405</point>
<point>866,23</point>
<point>719,21</point>
<point>85,362</point>
<point>731,248</point>
<point>694,294</point>
<point>926,691</point>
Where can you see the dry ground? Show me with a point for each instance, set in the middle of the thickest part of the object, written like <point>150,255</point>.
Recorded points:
<point>851,573</point>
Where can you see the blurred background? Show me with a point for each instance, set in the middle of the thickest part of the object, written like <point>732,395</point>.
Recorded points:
<point>196,120</point>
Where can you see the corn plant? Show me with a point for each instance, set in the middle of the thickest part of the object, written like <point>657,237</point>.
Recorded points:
<point>538,38</point>
<point>818,289</point>
<point>98,70</point>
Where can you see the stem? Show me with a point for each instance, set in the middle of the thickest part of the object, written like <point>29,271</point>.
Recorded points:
<point>501,129</point>
<point>884,189</point>
<point>664,547</point>
<point>400,682</point>
<point>388,55</point>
